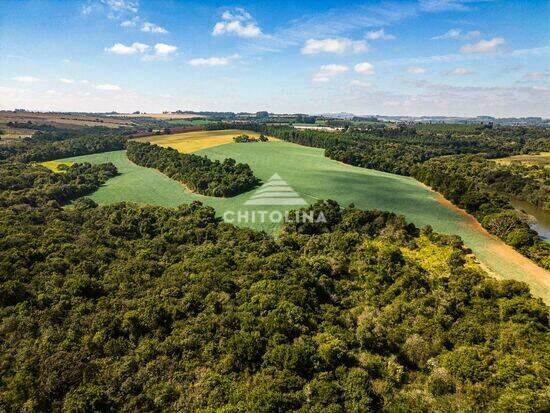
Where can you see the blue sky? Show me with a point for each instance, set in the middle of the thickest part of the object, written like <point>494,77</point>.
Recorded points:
<point>426,57</point>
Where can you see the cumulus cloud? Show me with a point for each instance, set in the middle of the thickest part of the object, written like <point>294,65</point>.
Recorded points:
<point>483,46</point>
<point>153,28</point>
<point>162,51</point>
<point>26,79</point>
<point>65,80</point>
<point>108,87</point>
<point>339,46</point>
<point>379,35</point>
<point>327,72</point>
<point>237,22</point>
<point>364,68</point>
<point>416,70</point>
<point>213,61</point>
<point>458,34</point>
<point>459,71</point>
<point>121,49</point>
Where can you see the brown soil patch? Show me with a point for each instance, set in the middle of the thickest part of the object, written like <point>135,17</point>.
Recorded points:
<point>533,273</point>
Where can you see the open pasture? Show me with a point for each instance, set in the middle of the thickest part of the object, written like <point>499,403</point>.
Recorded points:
<point>54,165</point>
<point>542,159</point>
<point>315,177</point>
<point>188,142</point>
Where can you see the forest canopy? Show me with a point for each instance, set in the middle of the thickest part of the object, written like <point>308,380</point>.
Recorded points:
<point>198,173</point>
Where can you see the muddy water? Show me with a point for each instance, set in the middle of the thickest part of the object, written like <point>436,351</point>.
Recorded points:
<point>540,219</point>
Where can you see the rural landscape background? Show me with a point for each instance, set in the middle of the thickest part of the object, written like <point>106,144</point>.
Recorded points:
<point>258,207</point>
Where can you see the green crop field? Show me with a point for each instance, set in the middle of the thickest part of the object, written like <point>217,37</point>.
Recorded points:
<point>313,177</point>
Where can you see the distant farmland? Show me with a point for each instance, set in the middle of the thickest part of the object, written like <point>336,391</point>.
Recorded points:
<point>194,141</point>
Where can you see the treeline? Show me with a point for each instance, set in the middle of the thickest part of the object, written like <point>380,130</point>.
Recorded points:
<point>198,173</point>
<point>43,146</point>
<point>481,188</point>
<point>141,308</point>
<point>37,186</point>
<point>447,164</point>
<point>248,139</point>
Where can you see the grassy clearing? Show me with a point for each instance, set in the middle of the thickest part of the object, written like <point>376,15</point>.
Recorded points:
<point>188,142</point>
<point>543,159</point>
<point>54,165</point>
<point>314,177</point>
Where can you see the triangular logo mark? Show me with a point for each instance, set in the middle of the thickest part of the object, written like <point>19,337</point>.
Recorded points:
<point>275,192</point>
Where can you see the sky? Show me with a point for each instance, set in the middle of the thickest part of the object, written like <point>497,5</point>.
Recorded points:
<point>424,57</point>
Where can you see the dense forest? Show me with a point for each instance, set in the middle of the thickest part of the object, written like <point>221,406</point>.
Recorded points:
<point>137,308</point>
<point>458,165</point>
<point>35,186</point>
<point>198,173</point>
<point>55,143</point>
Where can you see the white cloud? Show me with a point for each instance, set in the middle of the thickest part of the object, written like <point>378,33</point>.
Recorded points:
<point>213,61</point>
<point>238,22</point>
<point>459,71</point>
<point>457,34</point>
<point>153,28</point>
<point>416,70</point>
<point>26,79</point>
<point>122,5</point>
<point>342,45</point>
<point>379,35</point>
<point>120,49</point>
<point>130,22</point>
<point>483,46</point>
<point>365,68</point>
<point>445,5</point>
<point>65,80</point>
<point>326,72</point>
<point>239,14</point>
<point>108,87</point>
<point>162,51</point>
<point>360,84</point>
<point>85,82</point>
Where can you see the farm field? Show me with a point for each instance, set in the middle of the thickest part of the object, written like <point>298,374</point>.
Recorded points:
<point>162,116</point>
<point>66,120</point>
<point>188,142</point>
<point>543,159</point>
<point>54,165</point>
<point>315,177</point>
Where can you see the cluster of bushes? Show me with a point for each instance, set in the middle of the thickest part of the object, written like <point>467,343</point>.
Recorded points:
<point>245,139</point>
<point>141,308</point>
<point>198,173</point>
